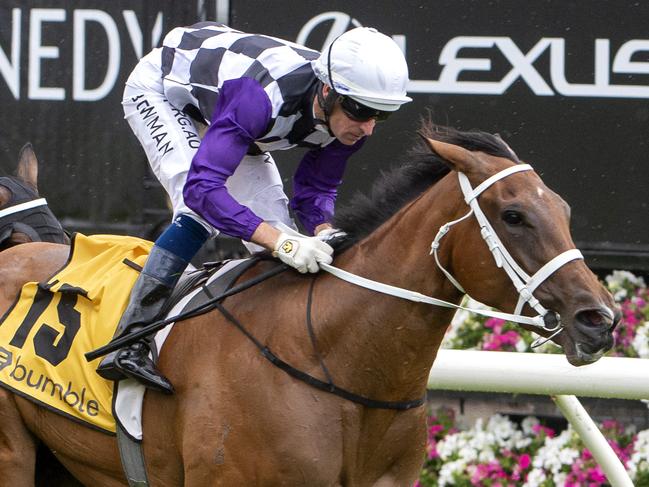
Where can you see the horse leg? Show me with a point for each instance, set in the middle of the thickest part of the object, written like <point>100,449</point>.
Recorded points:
<point>17,445</point>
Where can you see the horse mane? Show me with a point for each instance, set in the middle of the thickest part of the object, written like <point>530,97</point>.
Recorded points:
<point>403,183</point>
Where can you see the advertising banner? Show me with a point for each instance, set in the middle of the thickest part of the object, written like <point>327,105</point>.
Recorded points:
<point>565,86</point>
<point>567,89</point>
<point>62,71</point>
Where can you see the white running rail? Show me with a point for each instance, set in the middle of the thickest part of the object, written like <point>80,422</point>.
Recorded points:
<point>546,374</point>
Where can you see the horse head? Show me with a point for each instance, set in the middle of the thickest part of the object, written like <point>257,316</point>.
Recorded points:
<point>519,255</point>
<point>24,216</point>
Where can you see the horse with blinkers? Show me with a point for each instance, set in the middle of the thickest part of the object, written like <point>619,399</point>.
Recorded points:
<point>24,215</point>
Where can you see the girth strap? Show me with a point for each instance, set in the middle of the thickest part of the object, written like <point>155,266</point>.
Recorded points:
<point>130,452</point>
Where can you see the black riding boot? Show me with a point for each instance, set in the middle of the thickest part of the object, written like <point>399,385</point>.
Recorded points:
<point>148,297</point>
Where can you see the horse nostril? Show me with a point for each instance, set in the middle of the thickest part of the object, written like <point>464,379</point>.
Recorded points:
<point>599,318</point>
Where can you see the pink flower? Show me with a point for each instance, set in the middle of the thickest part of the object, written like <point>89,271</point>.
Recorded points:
<point>480,472</point>
<point>539,429</point>
<point>432,449</point>
<point>491,342</point>
<point>596,475</point>
<point>511,337</point>
<point>495,323</point>
<point>524,461</point>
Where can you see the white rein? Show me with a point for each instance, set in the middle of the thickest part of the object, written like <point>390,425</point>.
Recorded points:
<point>524,284</point>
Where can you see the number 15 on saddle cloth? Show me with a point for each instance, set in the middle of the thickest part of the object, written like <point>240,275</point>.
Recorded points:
<point>44,335</point>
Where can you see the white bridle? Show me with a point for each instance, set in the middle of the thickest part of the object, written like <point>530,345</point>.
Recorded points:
<point>524,284</point>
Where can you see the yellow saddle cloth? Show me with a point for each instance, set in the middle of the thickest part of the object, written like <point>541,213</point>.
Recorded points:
<point>44,336</point>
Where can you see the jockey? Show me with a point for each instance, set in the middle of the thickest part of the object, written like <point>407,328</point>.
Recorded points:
<point>256,94</point>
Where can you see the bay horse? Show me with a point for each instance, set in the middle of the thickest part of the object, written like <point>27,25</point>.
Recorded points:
<point>237,420</point>
<point>24,215</point>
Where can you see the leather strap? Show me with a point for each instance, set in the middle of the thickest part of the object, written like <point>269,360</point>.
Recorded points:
<point>130,451</point>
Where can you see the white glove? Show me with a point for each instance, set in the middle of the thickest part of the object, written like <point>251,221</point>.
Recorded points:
<point>330,233</point>
<point>301,252</point>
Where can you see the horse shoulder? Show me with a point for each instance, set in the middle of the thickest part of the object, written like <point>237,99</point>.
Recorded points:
<point>35,261</point>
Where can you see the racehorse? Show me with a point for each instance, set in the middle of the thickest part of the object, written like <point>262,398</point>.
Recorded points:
<point>24,215</point>
<point>237,420</point>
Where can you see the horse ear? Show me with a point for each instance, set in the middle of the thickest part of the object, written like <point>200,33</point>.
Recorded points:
<point>457,157</point>
<point>27,169</point>
<point>511,151</point>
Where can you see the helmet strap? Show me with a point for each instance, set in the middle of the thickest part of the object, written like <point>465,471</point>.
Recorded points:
<point>326,104</point>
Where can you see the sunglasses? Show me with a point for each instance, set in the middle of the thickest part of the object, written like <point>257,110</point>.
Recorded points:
<point>361,113</point>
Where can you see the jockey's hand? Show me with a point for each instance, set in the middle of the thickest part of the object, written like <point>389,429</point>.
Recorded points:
<point>301,252</point>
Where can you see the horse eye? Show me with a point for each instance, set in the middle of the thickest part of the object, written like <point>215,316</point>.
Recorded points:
<point>512,217</point>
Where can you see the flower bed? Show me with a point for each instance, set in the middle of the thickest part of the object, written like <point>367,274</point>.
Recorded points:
<point>503,453</point>
<point>500,452</point>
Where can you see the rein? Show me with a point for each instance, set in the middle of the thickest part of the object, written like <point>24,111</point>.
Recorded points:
<point>198,310</point>
<point>524,284</point>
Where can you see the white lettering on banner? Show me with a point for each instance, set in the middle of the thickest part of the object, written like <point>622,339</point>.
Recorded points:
<point>623,63</point>
<point>522,64</point>
<point>135,32</point>
<point>37,52</point>
<point>522,68</point>
<point>10,71</point>
<point>79,91</point>
<point>39,18</point>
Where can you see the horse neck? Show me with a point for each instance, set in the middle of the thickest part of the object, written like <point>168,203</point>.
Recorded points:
<point>390,343</point>
<point>398,252</point>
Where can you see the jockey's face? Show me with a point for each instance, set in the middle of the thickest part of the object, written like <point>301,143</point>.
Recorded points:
<point>347,130</point>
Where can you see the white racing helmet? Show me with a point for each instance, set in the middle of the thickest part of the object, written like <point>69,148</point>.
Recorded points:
<point>366,66</point>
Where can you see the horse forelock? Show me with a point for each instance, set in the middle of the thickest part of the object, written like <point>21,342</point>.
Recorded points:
<point>420,169</point>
